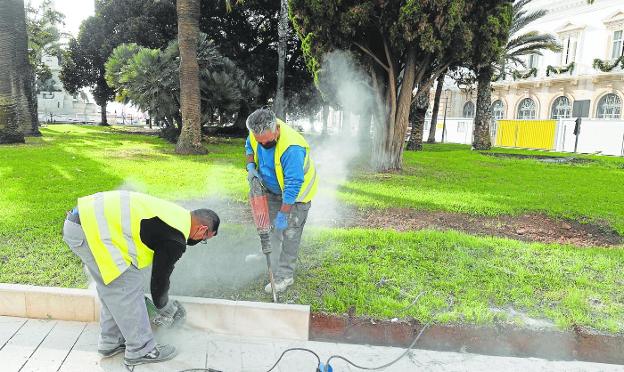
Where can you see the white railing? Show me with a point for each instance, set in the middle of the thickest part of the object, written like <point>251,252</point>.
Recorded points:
<point>457,130</point>
<point>605,137</point>
<point>597,136</point>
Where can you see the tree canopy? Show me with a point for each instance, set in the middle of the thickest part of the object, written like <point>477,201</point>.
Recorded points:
<point>149,79</point>
<point>401,44</point>
<point>147,23</point>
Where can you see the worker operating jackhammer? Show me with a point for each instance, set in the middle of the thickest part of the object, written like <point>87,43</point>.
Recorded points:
<point>280,157</point>
<point>117,234</point>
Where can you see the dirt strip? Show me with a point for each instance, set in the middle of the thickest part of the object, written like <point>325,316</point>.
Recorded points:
<point>579,344</point>
<point>529,227</point>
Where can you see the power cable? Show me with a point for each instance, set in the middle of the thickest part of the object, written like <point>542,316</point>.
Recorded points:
<point>384,365</point>
<point>318,365</point>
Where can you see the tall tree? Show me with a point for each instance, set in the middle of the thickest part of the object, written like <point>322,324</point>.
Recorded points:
<point>17,116</point>
<point>149,23</point>
<point>44,38</point>
<point>405,43</point>
<point>249,35</point>
<point>83,65</point>
<point>190,102</point>
<point>282,31</point>
<point>492,21</point>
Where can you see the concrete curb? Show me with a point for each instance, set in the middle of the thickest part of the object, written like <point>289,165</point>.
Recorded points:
<point>500,340</point>
<point>239,318</point>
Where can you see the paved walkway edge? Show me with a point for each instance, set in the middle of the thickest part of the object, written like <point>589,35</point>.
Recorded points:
<point>239,318</point>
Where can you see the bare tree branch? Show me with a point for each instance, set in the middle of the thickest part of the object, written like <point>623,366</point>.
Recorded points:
<point>365,50</point>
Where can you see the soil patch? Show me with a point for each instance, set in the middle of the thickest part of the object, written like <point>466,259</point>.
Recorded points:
<point>528,227</point>
<point>533,227</point>
<point>542,158</point>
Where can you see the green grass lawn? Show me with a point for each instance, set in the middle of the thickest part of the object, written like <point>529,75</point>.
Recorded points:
<point>378,272</point>
<point>453,178</point>
<point>464,278</point>
<point>43,179</point>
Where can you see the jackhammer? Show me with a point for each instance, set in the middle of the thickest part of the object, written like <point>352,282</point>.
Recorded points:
<point>259,202</point>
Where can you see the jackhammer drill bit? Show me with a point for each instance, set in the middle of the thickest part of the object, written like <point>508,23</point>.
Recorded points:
<point>260,210</point>
<point>265,241</point>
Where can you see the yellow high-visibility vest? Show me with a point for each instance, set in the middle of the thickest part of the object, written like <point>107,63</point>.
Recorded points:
<point>111,222</point>
<point>289,137</point>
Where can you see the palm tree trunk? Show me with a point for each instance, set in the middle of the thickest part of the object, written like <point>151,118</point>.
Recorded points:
<point>189,141</point>
<point>483,116</point>
<point>16,117</point>
<point>103,117</point>
<point>282,32</point>
<point>436,108</point>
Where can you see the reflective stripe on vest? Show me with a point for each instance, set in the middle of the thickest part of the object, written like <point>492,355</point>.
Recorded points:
<point>112,225</point>
<point>289,137</point>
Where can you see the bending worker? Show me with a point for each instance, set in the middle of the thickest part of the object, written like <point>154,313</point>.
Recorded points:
<point>116,234</point>
<point>280,157</point>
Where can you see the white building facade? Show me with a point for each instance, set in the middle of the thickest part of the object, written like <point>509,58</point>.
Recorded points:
<point>57,105</point>
<point>554,81</point>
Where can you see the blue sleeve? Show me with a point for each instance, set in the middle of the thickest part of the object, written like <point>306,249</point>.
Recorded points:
<point>248,149</point>
<point>292,164</point>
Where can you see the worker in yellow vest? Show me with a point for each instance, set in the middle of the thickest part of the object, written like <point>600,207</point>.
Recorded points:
<point>280,157</point>
<point>117,234</point>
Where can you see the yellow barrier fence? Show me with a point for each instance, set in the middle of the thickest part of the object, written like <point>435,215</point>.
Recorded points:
<point>528,134</point>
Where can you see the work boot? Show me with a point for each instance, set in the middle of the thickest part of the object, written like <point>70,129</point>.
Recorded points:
<point>112,352</point>
<point>280,285</point>
<point>159,353</point>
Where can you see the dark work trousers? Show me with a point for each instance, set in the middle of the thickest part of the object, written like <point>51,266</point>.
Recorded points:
<point>286,243</point>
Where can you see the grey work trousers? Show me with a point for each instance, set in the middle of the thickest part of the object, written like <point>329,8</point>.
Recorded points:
<point>288,240</point>
<point>123,315</point>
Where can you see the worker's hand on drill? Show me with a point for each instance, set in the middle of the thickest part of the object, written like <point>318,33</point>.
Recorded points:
<point>252,172</point>
<point>281,221</point>
<point>170,314</point>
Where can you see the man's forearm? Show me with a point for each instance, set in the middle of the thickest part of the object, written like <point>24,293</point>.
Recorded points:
<point>160,292</point>
<point>250,158</point>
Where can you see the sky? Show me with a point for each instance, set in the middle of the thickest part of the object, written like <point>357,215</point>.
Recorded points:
<point>75,12</point>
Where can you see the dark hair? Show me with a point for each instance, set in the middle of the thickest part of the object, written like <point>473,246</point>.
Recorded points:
<point>207,217</point>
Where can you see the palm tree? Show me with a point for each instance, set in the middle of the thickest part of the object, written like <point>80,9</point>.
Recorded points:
<point>282,35</point>
<point>190,102</point>
<point>16,104</point>
<point>189,141</point>
<point>530,42</point>
<point>517,46</point>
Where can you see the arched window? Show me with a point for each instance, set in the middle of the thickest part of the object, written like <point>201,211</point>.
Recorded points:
<point>526,109</point>
<point>498,110</point>
<point>469,110</point>
<point>561,108</point>
<point>609,107</point>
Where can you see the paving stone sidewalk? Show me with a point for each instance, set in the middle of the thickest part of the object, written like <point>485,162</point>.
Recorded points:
<point>50,345</point>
